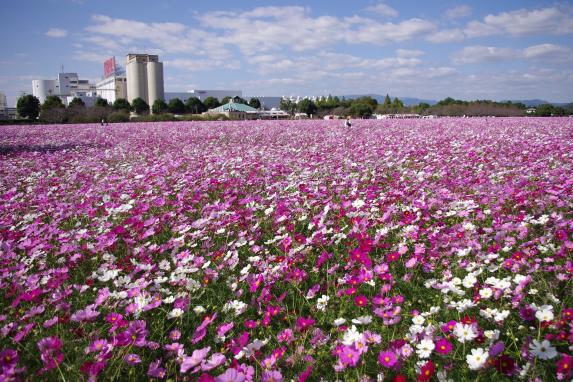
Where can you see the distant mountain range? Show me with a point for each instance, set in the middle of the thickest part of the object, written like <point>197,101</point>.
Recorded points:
<point>409,101</point>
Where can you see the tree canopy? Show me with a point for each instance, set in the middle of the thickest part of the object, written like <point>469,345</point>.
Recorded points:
<point>159,107</point>
<point>28,106</point>
<point>176,106</point>
<point>77,102</point>
<point>121,104</point>
<point>211,102</point>
<point>139,106</point>
<point>194,105</point>
<point>307,106</point>
<point>52,101</point>
<point>101,102</point>
<point>255,102</point>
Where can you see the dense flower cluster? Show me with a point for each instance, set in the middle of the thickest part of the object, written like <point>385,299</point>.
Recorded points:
<point>263,250</point>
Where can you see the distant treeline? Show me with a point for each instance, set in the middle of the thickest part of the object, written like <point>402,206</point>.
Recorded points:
<point>366,106</point>
<point>54,111</point>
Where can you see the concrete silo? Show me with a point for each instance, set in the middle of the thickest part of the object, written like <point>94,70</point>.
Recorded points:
<point>155,82</point>
<point>144,75</point>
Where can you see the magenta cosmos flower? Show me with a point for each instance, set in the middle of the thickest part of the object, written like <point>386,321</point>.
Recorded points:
<point>387,358</point>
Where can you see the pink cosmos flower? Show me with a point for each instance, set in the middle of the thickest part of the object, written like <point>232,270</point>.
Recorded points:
<point>443,346</point>
<point>272,376</point>
<point>231,375</point>
<point>250,324</point>
<point>303,323</point>
<point>174,335</point>
<point>361,301</point>
<point>349,356</point>
<point>285,336</point>
<point>387,358</point>
<point>196,358</point>
<point>132,359</point>
<point>155,370</point>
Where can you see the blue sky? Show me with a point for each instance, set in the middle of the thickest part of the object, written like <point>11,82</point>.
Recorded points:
<point>468,50</point>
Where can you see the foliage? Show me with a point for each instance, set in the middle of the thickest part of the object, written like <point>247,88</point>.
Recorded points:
<point>288,106</point>
<point>51,102</point>
<point>77,102</point>
<point>118,116</point>
<point>255,102</point>
<point>28,106</point>
<point>176,106</point>
<point>211,103</point>
<point>121,104</point>
<point>139,106</point>
<point>159,107</point>
<point>548,110</point>
<point>195,106</point>
<point>101,102</point>
<point>360,109</point>
<point>307,106</point>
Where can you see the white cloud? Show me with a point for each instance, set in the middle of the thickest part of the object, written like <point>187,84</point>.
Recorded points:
<point>382,9</point>
<point>446,35</point>
<point>203,64</point>
<point>523,22</point>
<point>331,62</point>
<point>373,32</point>
<point>406,53</point>
<point>549,52</point>
<point>479,54</point>
<point>56,33</point>
<point>459,12</point>
<point>544,52</point>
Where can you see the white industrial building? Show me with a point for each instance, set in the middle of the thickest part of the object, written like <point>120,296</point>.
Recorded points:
<point>66,85</point>
<point>112,88</point>
<point>144,77</point>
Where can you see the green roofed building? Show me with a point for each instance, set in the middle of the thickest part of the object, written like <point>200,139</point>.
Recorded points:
<point>235,110</point>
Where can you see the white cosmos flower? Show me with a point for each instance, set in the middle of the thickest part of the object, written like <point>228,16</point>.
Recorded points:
<point>543,349</point>
<point>351,336</point>
<point>357,203</point>
<point>322,302</point>
<point>477,358</point>
<point>464,332</point>
<point>424,348</point>
<point>198,309</point>
<point>485,293</point>
<point>544,313</point>
<point>362,320</point>
<point>175,313</point>
<point>418,320</point>
<point>469,281</point>
<point>339,321</point>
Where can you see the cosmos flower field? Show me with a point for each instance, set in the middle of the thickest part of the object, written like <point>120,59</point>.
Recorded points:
<point>287,250</point>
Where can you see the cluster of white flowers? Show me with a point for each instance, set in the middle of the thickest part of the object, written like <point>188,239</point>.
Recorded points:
<point>322,302</point>
<point>425,348</point>
<point>498,316</point>
<point>544,313</point>
<point>175,313</point>
<point>464,332</point>
<point>463,305</point>
<point>238,306</point>
<point>351,335</point>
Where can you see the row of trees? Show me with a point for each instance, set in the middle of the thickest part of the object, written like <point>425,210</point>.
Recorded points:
<point>366,106</point>
<point>358,108</point>
<point>54,111</point>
